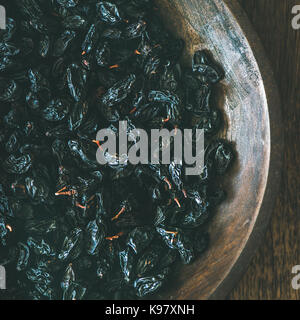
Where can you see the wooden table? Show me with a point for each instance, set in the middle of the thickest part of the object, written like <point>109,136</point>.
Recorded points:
<point>270,273</point>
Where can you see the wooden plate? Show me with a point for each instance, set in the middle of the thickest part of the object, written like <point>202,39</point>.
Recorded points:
<point>250,102</point>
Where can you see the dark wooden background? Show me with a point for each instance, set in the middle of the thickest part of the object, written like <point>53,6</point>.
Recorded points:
<point>269,275</point>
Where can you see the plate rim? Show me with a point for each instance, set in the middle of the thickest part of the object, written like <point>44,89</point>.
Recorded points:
<point>274,178</point>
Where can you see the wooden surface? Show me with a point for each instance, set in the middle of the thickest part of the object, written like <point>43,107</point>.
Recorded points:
<point>269,275</point>
<point>246,95</point>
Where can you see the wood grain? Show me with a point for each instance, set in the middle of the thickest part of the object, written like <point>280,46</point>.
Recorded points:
<point>269,275</point>
<point>246,95</point>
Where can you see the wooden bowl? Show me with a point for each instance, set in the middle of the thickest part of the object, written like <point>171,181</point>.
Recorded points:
<point>250,102</point>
